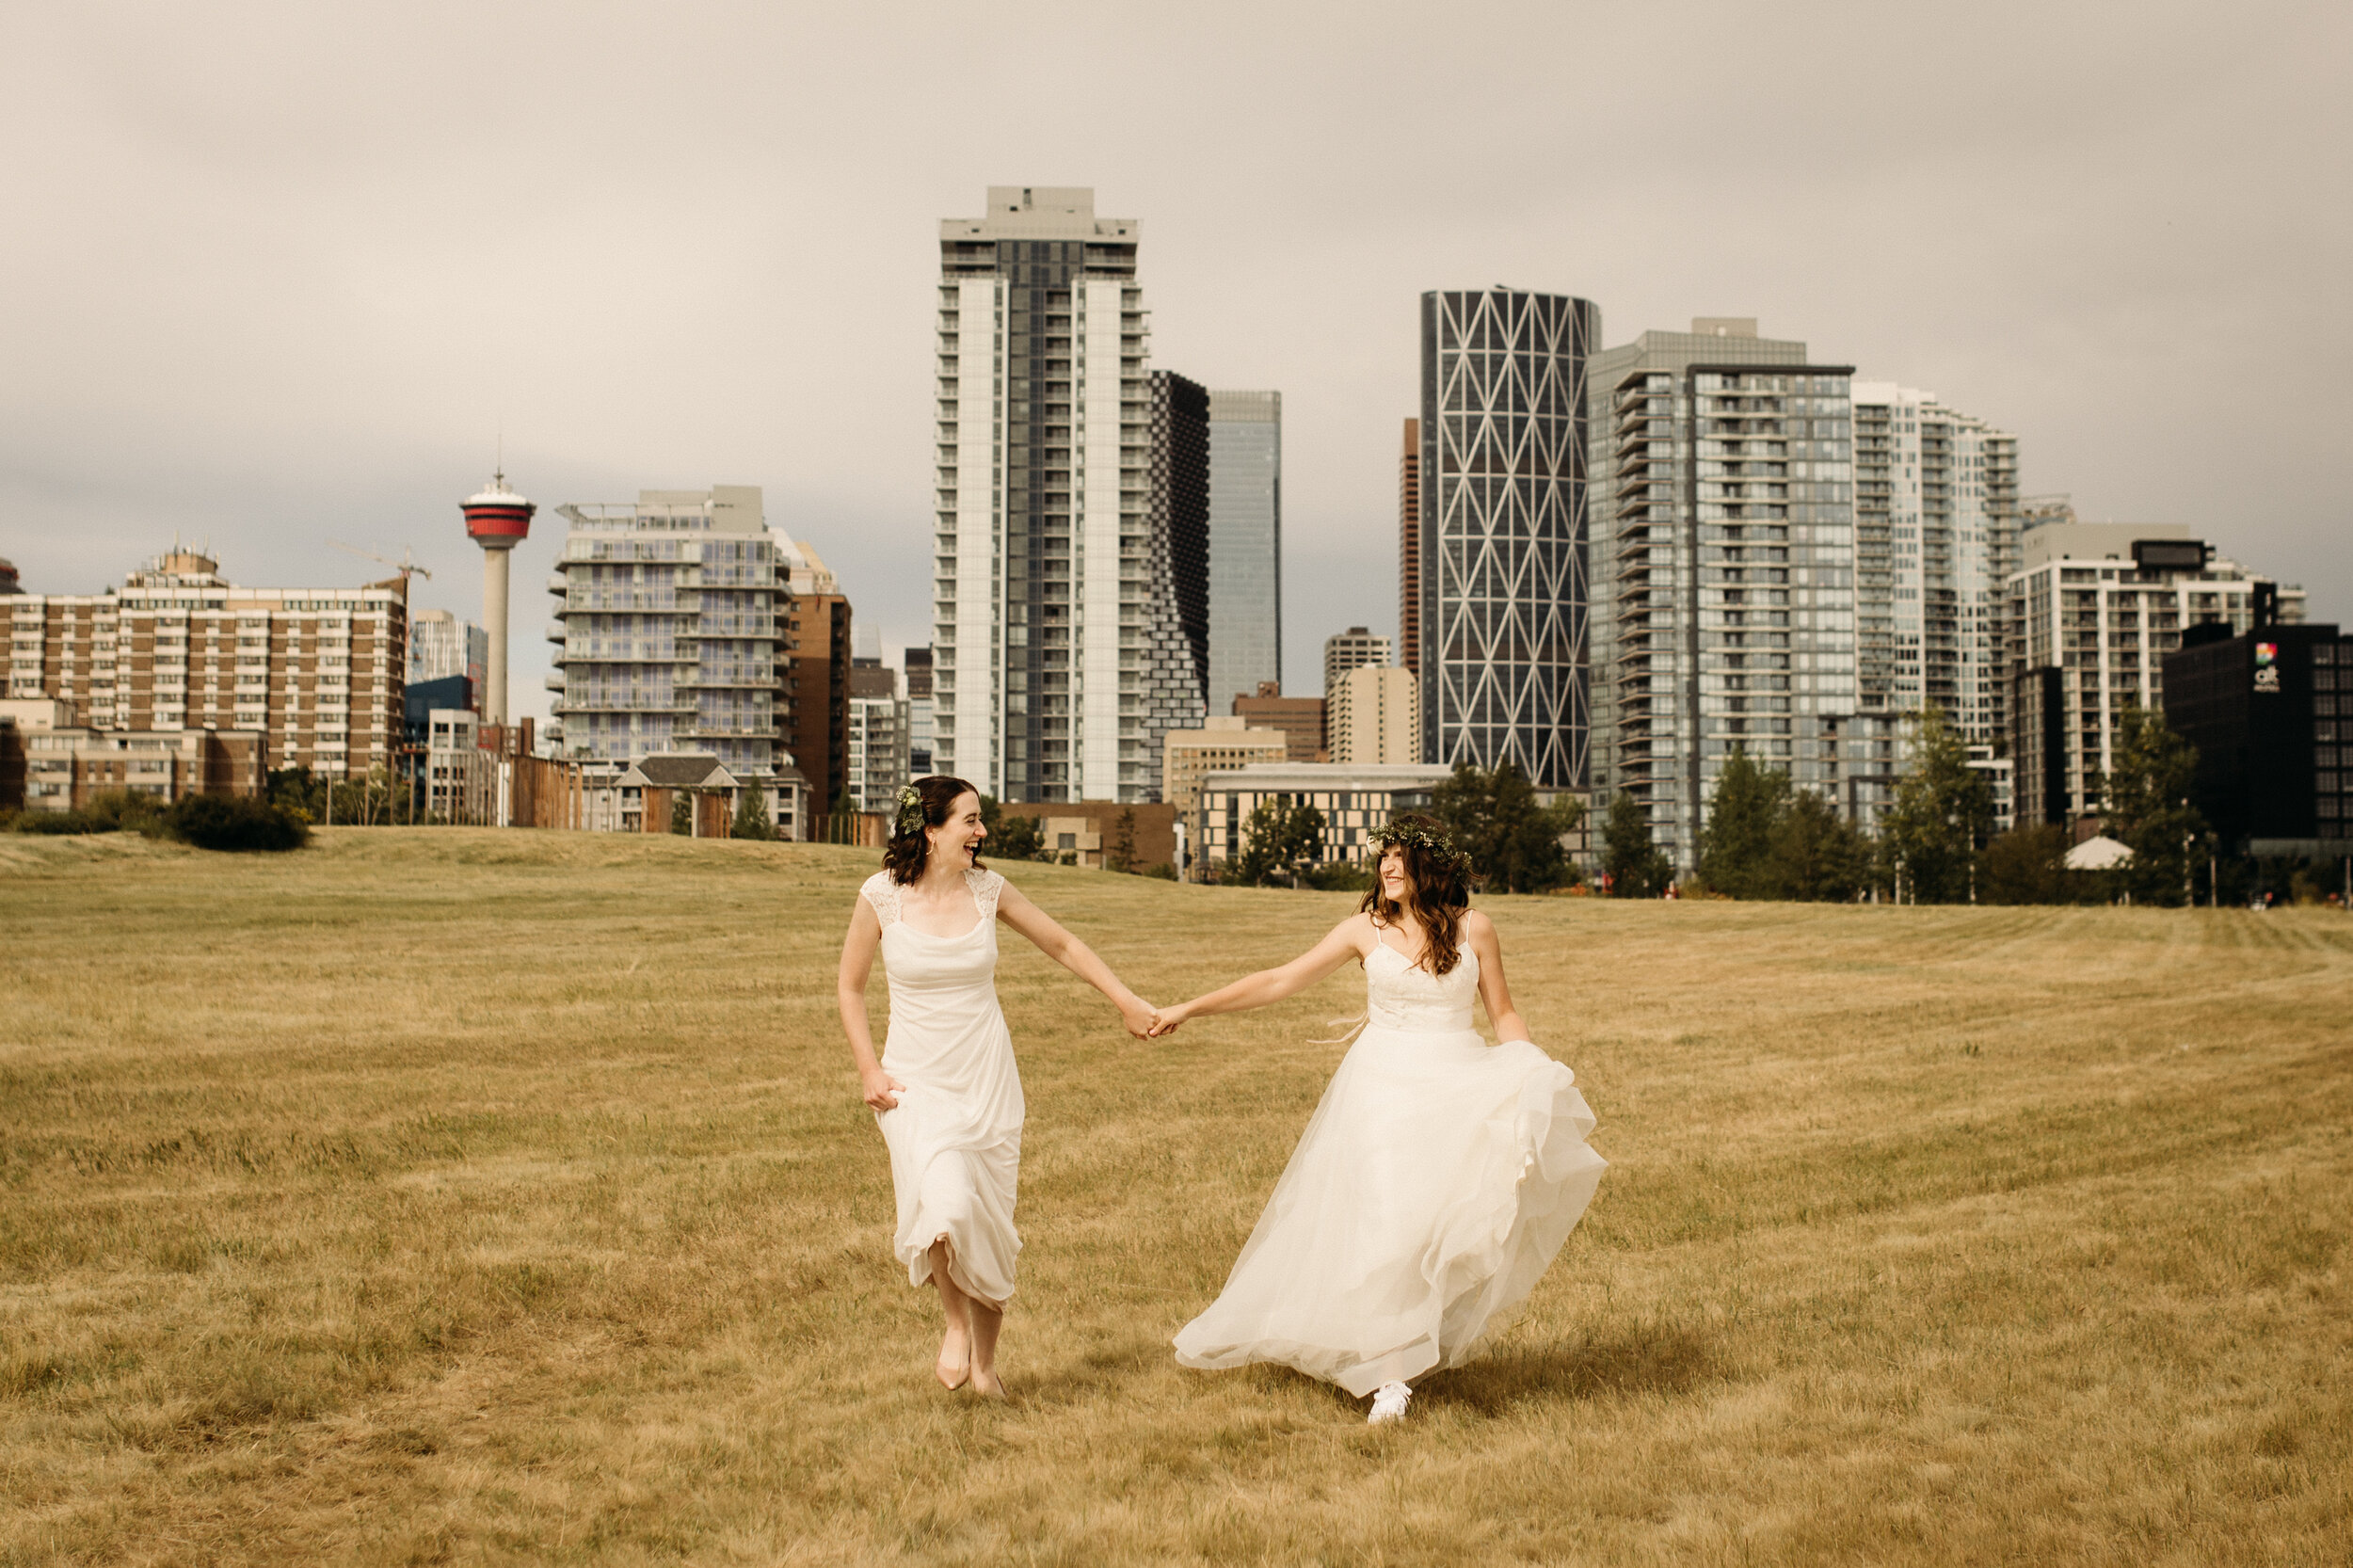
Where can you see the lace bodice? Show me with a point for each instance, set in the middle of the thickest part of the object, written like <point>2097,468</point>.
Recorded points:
<point>1400,995</point>
<point>883,894</point>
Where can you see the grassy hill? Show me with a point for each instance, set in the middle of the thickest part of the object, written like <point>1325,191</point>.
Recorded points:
<point>464,1196</point>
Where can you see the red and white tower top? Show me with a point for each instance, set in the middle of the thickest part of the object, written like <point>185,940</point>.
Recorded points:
<point>498,518</point>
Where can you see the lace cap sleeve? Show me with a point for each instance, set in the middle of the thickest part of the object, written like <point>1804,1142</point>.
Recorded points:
<point>883,894</point>
<point>984,886</point>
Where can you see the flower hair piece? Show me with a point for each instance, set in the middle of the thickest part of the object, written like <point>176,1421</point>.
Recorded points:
<point>910,811</point>
<point>1406,833</point>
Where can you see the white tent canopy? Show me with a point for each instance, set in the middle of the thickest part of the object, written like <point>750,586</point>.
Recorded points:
<point>2098,855</point>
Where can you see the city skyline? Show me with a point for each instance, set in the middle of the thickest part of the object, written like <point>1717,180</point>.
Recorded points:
<point>307,302</point>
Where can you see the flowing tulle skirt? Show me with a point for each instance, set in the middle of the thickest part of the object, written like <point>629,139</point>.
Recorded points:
<point>1434,1184</point>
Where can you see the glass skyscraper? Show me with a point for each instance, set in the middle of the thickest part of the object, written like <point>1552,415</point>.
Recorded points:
<point>1502,531</point>
<point>1246,544</point>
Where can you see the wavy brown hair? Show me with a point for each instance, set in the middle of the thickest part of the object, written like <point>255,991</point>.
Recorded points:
<point>1435,888</point>
<point>904,857</point>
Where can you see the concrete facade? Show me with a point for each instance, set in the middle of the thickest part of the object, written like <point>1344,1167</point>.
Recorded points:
<point>1375,716</point>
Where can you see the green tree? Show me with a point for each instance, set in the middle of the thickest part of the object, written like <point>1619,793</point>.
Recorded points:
<point>1120,855</point>
<point>1514,839</point>
<point>1280,842</point>
<point>2146,797</point>
<point>1943,810</point>
<point>682,812</point>
<point>1010,837</point>
<point>1815,856</point>
<point>751,816</point>
<point>2026,864</point>
<point>1744,813</point>
<point>1636,866</point>
<point>297,789</point>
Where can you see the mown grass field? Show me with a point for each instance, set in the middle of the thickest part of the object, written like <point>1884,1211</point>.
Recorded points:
<point>455,1197</point>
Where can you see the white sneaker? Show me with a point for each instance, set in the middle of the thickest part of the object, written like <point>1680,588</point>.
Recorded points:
<point>1388,1404</point>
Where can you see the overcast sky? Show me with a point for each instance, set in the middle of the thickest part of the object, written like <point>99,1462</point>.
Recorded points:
<point>279,275</point>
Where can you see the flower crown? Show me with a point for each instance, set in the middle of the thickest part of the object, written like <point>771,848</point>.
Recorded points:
<point>910,811</point>
<point>1405,834</point>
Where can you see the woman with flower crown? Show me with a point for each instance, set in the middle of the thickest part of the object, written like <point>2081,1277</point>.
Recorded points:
<point>1439,1175</point>
<point>945,1091</point>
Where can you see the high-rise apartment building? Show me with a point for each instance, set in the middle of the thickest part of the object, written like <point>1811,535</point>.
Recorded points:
<point>1174,676</point>
<point>666,624</point>
<point>1502,531</point>
<point>1040,558</point>
<point>2092,612</point>
<point>319,671</point>
<point>1374,715</point>
<point>1936,542</point>
<point>1245,544</point>
<point>1722,553</point>
<point>1345,650</point>
<point>1409,549</point>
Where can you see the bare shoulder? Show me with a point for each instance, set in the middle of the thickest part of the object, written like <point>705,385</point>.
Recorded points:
<point>1479,928</point>
<point>1357,930</point>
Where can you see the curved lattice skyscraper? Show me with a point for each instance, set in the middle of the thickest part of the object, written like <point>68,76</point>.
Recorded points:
<point>1502,530</point>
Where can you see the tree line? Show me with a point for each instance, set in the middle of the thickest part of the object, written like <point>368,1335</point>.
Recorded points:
<point>1768,837</point>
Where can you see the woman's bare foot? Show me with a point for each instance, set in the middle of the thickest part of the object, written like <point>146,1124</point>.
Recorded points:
<point>955,1346</point>
<point>955,1357</point>
<point>988,1386</point>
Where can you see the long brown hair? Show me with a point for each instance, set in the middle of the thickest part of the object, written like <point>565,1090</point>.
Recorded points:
<point>1434,887</point>
<point>909,848</point>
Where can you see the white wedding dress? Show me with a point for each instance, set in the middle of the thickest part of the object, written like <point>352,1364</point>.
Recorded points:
<point>1433,1187</point>
<point>955,1135</point>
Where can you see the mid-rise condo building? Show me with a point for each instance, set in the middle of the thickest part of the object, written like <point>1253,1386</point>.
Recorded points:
<point>2093,613</point>
<point>666,628</point>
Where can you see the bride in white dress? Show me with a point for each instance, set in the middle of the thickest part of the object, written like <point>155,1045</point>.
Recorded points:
<point>945,1091</point>
<point>1439,1175</point>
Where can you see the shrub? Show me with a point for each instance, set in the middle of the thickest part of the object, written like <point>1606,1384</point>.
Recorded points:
<point>1339,877</point>
<point>238,822</point>
<point>1161,871</point>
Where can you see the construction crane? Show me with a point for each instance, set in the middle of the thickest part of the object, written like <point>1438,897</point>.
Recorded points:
<point>405,566</point>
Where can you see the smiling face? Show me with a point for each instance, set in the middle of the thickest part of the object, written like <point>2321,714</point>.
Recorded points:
<point>959,837</point>
<point>1395,881</point>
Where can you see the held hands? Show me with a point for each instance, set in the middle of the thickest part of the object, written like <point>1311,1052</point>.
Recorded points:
<point>1166,1019</point>
<point>881,1090</point>
<point>1138,1015</point>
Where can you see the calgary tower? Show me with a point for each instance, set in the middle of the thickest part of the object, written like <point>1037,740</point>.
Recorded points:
<point>498,520</point>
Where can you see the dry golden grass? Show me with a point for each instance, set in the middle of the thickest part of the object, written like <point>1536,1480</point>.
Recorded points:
<point>455,1197</point>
